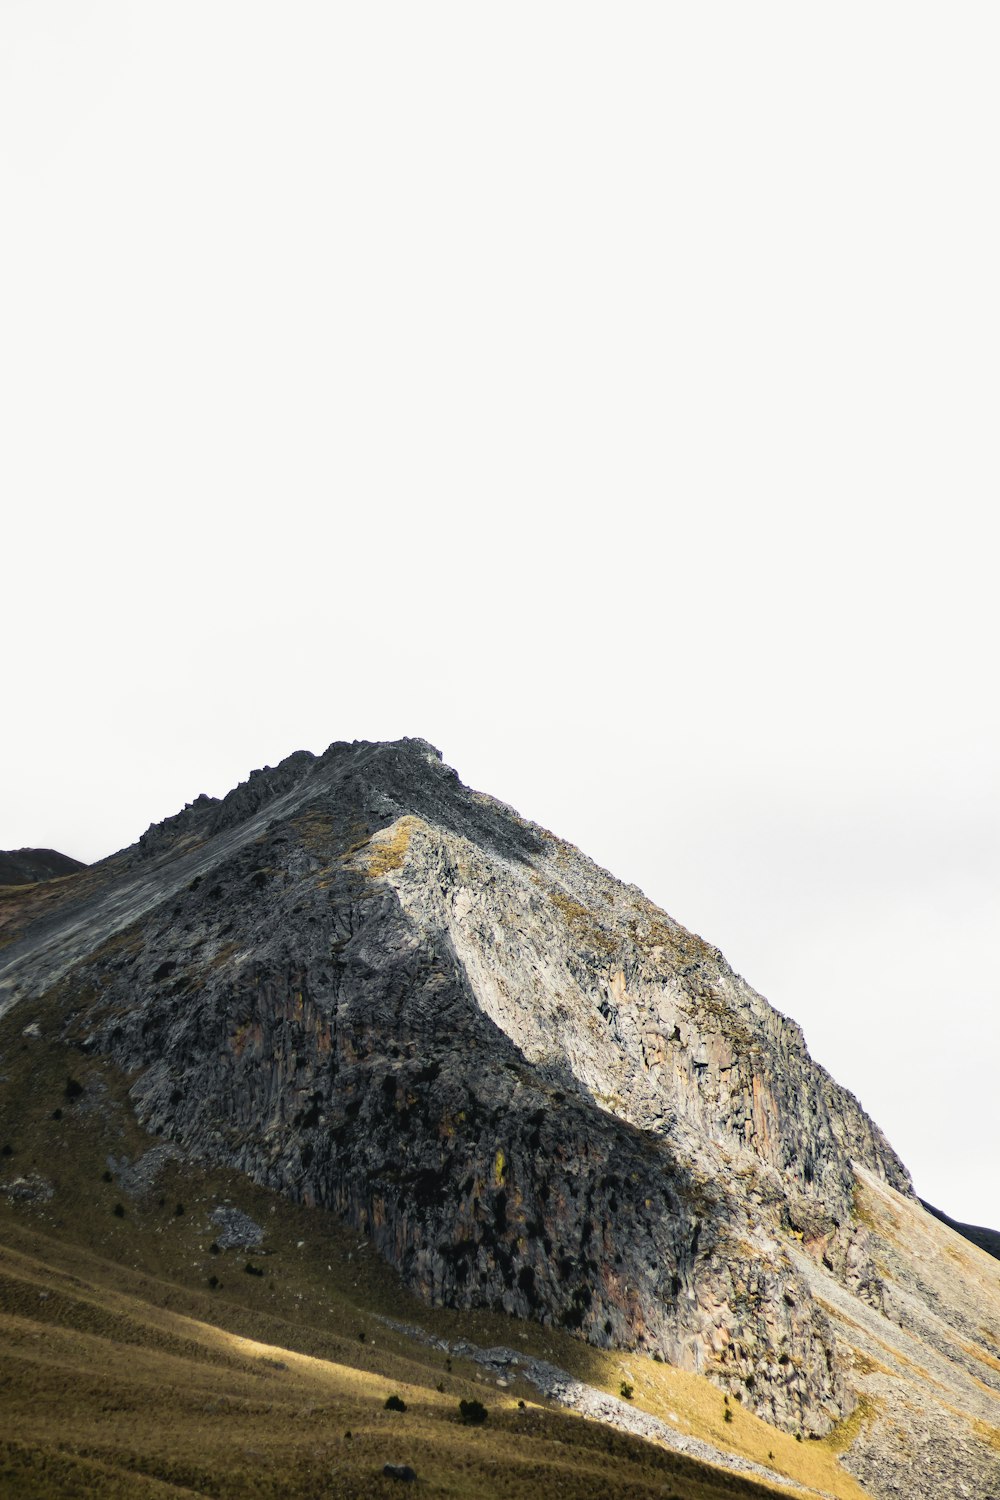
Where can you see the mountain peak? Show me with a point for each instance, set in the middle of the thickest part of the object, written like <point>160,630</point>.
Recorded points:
<point>392,998</point>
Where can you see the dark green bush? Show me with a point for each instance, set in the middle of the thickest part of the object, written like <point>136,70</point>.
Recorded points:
<point>471,1412</point>
<point>395,1403</point>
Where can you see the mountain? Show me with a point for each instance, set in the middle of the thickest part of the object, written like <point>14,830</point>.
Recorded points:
<point>20,866</point>
<point>384,996</point>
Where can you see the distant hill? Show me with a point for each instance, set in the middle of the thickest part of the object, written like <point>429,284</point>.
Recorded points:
<point>22,866</point>
<point>986,1239</point>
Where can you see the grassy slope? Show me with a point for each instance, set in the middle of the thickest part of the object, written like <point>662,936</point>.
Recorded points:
<point>125,1374</point>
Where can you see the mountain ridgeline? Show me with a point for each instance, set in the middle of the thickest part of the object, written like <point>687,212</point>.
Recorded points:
<point>390,997</point>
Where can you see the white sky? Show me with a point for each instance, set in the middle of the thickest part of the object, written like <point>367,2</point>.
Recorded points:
<point>607,393</point>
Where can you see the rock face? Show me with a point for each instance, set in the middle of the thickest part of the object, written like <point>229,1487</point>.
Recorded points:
<point>389,996</point>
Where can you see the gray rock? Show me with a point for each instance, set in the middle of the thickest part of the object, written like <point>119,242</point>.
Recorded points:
<point>237,1231</point>
<point>31,1188</point>
<point>138,1178</point>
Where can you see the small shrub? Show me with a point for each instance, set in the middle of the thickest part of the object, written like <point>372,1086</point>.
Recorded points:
<point>395,1403</point>
<point>119,1210</point>
<point>361,1335</point>
<point>626,1391</point>
<point>107,1177</point>
<point>440,1386</point>
<point>73,1090</point>
<point>56,1114</point>
<point>253,1270</point>
<point>178,1210</point>
<point>213,1282</point>
<point>471,1412</point>
<point>727,1415</point>
<point>798,1437</point>
<point>7,1149</point>
<point>213,1248</point>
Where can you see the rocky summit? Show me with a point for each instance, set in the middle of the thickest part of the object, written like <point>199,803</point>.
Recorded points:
<point>391,998</point>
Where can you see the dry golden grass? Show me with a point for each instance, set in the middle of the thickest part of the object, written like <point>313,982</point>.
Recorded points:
<point>582,922</point>
<point>863,1415</point>
<point>987,1434</point>
<point>700,1409</point>
<point>981,1354</point>
<point>386,849</point>
<point>113,1385</point>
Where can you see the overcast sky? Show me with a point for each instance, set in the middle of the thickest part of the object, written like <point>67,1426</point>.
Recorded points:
<point>606,393</point>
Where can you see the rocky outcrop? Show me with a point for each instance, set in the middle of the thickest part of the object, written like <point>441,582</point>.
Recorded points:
<point>389,996</point>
